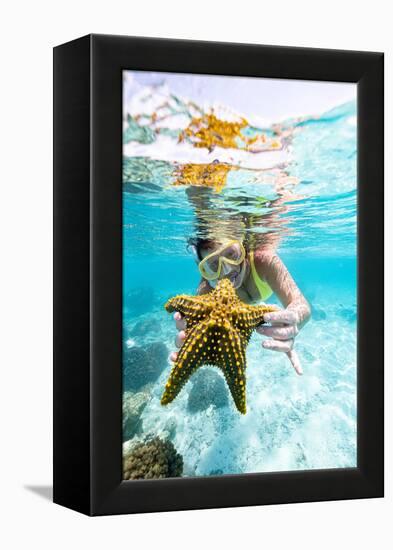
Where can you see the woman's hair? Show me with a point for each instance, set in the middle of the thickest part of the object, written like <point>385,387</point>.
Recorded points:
<point>199,243</point>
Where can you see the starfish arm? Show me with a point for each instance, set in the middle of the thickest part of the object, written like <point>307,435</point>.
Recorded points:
<point>237,388</point>
<point>193,308</point>
<point>238,385</point>
<point>252,316</point>
<point>230,357</point>
<point>183,303</point>
<point>189,359</point>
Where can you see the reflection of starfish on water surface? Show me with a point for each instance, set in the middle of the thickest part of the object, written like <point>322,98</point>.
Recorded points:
<point>219,327</point>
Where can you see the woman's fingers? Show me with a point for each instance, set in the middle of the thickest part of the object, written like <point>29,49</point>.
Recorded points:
<point>285,346</point>
<point>279,333</point>
<point>284,316</point>
<point>180,321</point>
<point>180,337</point>
<point>295,362</point>
<point>278,345</point>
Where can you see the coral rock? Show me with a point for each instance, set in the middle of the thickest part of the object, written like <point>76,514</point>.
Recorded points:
<point>142,328</point>
<point>142,366</point>
<point>158,353</point>
<point>153,459</point>
<point>133,406</point>
<point>208,389</point>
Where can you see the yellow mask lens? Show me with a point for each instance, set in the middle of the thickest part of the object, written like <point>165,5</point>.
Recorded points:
<point>224,254</point>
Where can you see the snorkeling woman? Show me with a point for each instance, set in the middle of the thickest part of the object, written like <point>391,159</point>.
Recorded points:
<point>255,276</point>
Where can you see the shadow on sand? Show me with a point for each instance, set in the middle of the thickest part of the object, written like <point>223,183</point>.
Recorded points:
<point>44,491</point>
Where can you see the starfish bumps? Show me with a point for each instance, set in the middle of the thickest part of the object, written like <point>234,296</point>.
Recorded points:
<point>219,327</point>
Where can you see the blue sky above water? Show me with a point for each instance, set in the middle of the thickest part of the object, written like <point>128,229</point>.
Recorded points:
<point>271,99</point>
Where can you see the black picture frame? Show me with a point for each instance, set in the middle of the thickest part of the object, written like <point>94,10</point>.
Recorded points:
<point>88,274</point>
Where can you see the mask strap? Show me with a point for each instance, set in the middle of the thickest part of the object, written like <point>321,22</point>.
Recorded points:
<point>193,250</point>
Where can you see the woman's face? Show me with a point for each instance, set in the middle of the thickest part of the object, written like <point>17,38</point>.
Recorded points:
<point>235,273</point>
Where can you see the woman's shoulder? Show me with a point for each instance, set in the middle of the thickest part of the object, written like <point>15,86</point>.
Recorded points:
<point>263,257</point>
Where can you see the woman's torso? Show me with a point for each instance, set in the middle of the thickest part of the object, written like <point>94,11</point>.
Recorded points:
<point>254,287</point>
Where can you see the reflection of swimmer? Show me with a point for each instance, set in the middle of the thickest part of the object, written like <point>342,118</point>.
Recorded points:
<point>255,275</point>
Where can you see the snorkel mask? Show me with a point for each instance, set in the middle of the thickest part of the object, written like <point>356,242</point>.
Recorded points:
<point>221,261</point>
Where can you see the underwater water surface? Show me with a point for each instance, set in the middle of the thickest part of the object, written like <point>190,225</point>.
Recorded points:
<point>304,200</point>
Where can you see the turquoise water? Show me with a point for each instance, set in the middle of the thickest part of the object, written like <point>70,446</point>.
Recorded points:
<point>307,204</point>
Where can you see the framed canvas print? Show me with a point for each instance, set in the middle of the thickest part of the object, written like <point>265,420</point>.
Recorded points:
<point>218,274</point>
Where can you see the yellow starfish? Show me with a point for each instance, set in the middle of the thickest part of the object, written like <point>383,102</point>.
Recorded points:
<point>209,131</point>
<point>219,327</point>
<point>207,175</point>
